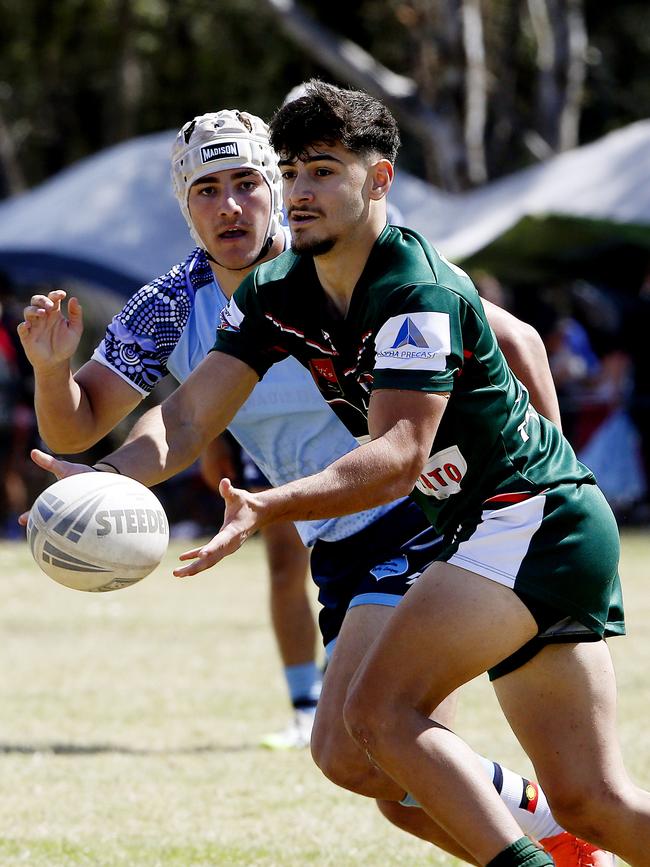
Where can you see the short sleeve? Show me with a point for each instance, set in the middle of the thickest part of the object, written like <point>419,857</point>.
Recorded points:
<point>420,346</point>
<point>246,330</point>
<point>140,338</point>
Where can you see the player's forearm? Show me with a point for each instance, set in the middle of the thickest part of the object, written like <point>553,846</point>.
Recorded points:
<point>367,477</point>
<point>158,446</point>
<point>64,416</point>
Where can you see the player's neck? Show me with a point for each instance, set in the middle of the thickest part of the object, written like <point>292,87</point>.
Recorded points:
<point>339,270</point>
<point>229,280</point>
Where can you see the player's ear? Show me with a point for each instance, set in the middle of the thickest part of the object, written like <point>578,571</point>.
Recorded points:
<point>381,174</point>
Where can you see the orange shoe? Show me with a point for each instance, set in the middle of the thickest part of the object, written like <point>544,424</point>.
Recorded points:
<point>569,851</point>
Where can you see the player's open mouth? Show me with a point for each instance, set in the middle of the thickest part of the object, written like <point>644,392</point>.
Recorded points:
<point>302,218</point>
<point>231,234</point>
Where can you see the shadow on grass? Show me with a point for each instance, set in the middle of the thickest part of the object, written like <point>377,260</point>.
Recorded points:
<point>120,749</point>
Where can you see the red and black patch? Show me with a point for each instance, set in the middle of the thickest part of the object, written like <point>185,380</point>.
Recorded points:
<point>322,369</point>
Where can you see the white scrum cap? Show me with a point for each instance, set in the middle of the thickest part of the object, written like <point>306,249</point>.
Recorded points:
<point>227,139</point>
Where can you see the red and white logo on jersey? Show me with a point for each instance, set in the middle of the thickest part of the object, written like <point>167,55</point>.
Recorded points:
<point>442,474</point>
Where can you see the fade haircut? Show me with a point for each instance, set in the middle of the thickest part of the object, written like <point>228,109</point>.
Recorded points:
<point>331,115</point>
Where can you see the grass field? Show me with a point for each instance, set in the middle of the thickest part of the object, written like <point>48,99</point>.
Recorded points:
<point>129,725</point>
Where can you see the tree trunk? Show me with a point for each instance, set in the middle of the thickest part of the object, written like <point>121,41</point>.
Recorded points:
<point>475,91</point>
<point>12,180</point>
<point>560,32</point>
<point>128,75</point>
<point>348,62</point>
<point>575,75</point>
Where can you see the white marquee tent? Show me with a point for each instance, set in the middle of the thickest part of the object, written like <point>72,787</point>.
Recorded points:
<point>112,220</point>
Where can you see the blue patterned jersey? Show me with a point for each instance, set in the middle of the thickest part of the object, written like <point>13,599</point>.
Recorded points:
<point>169,325</point>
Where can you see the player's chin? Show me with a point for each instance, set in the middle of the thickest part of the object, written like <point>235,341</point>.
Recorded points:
<point>235,255</point>
<point>302,243</point>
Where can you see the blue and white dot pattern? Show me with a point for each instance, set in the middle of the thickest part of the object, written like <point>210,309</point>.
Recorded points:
<point>140,338</point>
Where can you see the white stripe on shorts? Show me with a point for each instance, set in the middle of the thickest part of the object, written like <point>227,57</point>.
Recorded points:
<point>500,542</point>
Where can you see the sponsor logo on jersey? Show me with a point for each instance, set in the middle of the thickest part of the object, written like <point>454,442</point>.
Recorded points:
<point>409,335</point>
<point>218,152</point>
<point>322,369</point>
<point>442,474</point>
<point>396,566</point>
<point>414,341</point>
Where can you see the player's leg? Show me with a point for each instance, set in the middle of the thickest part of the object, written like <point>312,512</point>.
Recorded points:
<point>454,623</point>
<point>448,629</point>
<point>292,617</point>
<point>575,747</point>
<point>340,758</point>
<point>370,572</point>
<point>342,761</point>
<point>294,628</point>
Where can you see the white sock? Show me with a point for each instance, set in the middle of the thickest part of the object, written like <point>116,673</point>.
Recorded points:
<point>525,800</point>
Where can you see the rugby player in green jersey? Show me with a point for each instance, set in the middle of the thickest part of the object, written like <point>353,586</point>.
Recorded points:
<point>526,586</point>
<point>398,343</point>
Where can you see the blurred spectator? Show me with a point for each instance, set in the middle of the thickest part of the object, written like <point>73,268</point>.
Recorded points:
<point>17,420</point>
<point>636,331</point>
<point>492,289</point>
<point>574,366</point>
<point>594,375</point>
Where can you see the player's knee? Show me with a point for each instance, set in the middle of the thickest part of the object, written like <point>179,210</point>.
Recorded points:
<point>341,761</point>
<point>586,810</point>
<point>365,719</point>
<point>287,568</point>
<point>286,579</point>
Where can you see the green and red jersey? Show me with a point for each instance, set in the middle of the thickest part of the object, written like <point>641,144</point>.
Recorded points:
<point>415,322</point>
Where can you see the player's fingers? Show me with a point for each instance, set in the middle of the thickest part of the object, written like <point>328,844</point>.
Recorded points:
<point>33,312</point>
<point>47,302</point>
<point>189,555</point>
<point>22,519</point>
<point>226,542</point>
<point>225,488</point>
<point>201,561</point>
<point>61,469</point>
<point>42,459</point>
<point>75,310</point>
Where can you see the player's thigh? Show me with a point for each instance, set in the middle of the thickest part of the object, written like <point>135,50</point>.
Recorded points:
<point>450,627</point>
<point>562,707</point>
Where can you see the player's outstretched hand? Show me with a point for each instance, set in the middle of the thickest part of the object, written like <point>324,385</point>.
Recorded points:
<point>60,469</point>
<point>48,338</point>
<point>240,520</point>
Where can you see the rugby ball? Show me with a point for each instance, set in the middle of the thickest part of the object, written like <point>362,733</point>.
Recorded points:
<point>97,531</point>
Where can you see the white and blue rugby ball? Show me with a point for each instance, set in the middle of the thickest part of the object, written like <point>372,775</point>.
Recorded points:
<point>97,531</point>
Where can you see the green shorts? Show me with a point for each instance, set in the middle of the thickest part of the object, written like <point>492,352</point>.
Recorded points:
<point>558,550</point>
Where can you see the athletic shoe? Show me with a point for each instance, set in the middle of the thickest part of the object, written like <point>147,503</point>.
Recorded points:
<point>295,737</point>
<point>570,851</point>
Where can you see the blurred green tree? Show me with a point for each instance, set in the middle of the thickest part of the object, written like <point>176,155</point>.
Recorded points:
<point>496,83</point>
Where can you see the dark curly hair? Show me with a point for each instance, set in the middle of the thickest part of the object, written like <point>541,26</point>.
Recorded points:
<point>332,115</point>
